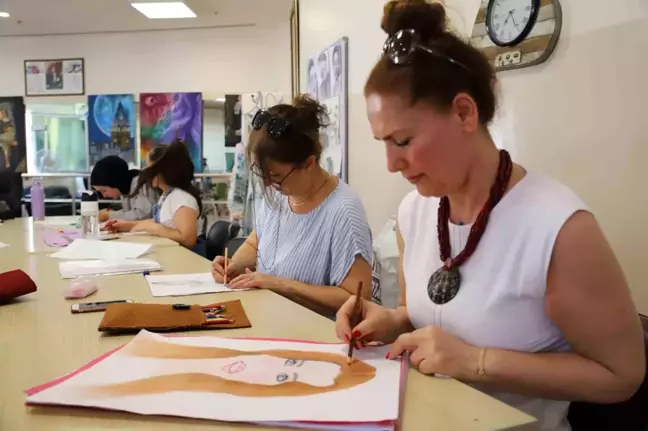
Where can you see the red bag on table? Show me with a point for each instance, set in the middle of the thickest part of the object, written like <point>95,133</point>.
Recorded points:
<point>14,284</point>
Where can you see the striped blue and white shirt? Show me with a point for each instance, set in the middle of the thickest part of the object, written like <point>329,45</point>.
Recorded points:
<point>316,248</point>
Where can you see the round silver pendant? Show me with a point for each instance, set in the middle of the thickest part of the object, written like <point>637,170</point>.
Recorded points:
<point>444,285</point>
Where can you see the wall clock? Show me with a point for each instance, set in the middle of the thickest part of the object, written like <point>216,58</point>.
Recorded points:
<point>509,22</point>
<point>517,33</point>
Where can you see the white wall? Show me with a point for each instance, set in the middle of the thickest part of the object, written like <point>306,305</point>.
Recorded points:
<point>580,117</point>
<point>322,23</point>
<point>217,61</point>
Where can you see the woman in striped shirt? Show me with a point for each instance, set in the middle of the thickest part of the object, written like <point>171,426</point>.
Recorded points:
<point>311,242</point>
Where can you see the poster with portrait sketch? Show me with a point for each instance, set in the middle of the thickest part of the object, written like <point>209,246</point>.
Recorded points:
<point>327,82</point>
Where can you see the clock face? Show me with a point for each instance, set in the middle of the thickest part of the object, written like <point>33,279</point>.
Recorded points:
<point>510,21</point>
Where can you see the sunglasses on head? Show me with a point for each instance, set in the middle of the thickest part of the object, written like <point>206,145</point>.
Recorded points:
<point>401,46</point>
<point>276,126</point>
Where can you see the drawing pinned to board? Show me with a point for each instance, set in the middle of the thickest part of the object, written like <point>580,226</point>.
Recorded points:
<point>233,122</point>
<point>250,380</point>
<point>327,82</point>
<point>111,127</point>
<point>165,117</point>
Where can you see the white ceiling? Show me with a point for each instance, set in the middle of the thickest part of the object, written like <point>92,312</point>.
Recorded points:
<point>46,17</point>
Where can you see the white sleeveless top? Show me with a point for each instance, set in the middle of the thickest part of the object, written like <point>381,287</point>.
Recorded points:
<point>501,302</point>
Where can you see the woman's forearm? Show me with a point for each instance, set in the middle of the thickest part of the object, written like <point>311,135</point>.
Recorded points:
<point>564,376</point>
<point>245,257</point>
<point>187,241</point>
<point>326,300</point>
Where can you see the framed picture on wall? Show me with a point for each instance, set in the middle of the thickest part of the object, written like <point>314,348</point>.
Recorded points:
<point>327,82</point>
<point>61,77</point>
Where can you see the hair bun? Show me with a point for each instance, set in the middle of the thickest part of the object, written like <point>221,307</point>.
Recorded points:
<point>428,19</point>
<point>312,111</point>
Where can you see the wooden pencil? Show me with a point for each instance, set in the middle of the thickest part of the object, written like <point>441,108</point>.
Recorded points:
<point>356,318</point>
<point>225,275</point>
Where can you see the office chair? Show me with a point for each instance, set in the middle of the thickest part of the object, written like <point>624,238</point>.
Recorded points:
<point>630,415</point>
<point>234,244</point>
<point>220,233</point>
<point>10,194</point>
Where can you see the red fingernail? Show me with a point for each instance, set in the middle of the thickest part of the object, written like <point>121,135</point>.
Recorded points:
<point>387,356</point>
<point>356,334</point>
<point>346,337</point>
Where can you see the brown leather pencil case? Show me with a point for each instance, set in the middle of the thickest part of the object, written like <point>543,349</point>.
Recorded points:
<point>124,317</point>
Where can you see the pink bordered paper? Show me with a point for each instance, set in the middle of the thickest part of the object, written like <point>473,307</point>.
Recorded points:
<point>304,424</point>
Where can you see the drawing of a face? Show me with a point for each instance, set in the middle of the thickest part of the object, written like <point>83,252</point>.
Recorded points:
<point>271,370</point>
<point>263,373</point>
<point>323,66</point>
<point>337,63</point>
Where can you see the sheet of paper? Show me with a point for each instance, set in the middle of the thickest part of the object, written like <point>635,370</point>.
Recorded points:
<point>59,222</point>
<point>184,284</point>
<point>88,268</point>
<point>249,381</point>
<point>83,248</point>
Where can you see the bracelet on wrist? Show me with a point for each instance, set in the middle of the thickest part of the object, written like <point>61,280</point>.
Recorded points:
<point>481,368</point>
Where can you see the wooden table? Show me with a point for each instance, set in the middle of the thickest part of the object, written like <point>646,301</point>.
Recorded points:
<point>41,340</point>
<point>26,235</point>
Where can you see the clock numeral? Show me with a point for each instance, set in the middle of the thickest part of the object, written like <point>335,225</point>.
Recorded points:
<point>497,26</point>
<point>525,20</point>
<point>528,8</point>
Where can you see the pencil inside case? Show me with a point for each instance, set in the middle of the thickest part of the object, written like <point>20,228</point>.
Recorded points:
<point>127,318</point>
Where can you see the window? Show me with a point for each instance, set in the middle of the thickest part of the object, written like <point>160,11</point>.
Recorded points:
<point>56,138</point>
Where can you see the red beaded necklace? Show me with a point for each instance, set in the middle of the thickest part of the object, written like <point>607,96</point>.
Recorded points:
<point>445,282</point>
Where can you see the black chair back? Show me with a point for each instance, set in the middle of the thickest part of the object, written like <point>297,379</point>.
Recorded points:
<point>630,415</point>
<point>11,193</point>
<point>217,238</point>
<point>234,244</point>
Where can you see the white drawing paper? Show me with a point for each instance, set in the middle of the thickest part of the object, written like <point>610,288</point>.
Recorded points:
<point>89,268</point>
<point>65,221</point>
<point>248,380</point>
<point>185,284</point>
<point>82,248</point>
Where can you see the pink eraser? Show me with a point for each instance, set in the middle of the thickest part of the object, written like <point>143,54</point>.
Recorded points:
<point>80,289</point>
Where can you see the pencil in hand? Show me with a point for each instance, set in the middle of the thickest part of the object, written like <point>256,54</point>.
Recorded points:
<point>225,268</point>
<point>355,319</point>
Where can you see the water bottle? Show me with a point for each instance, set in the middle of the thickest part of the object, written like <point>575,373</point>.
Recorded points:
<point>37,200</point>
<point>90,215</point>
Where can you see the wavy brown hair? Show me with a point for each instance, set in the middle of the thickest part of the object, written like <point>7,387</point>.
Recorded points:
<point>350,375</point>
<point>433,78</point>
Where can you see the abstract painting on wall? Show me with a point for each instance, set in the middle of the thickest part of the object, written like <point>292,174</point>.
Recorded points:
<point>327,82</point>
<point>165,117</point>
<point>12,134</point>
<point>111,127</point>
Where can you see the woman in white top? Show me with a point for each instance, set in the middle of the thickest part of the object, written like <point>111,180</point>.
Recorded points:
<point>178,213</point>
<point>506,280</point>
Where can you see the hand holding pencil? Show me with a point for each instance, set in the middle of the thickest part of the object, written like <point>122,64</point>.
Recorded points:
<point>223,270</point>
<point>368,322</point>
